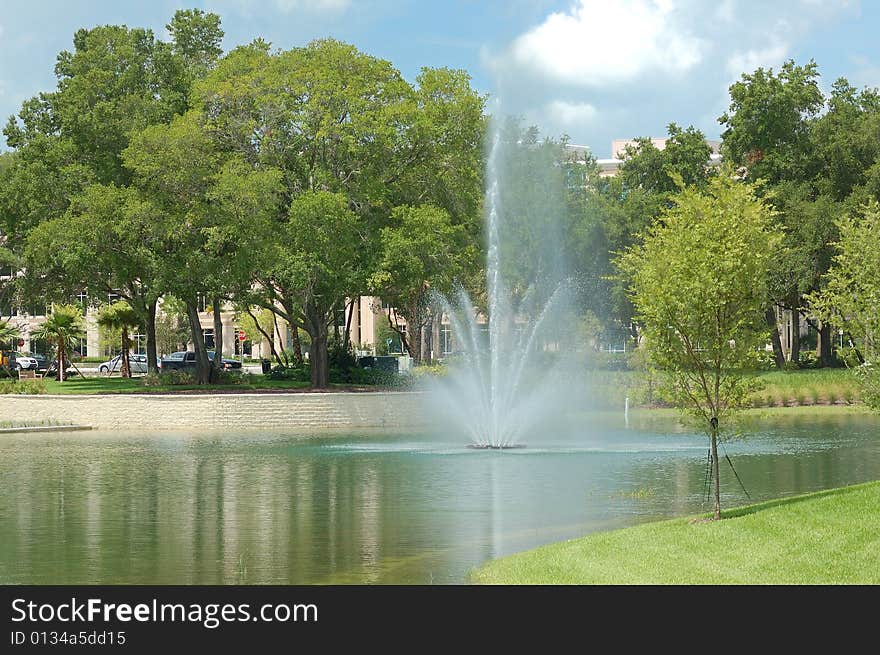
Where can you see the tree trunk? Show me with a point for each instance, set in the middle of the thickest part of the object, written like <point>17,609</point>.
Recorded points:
<point>297,344</point>
<point>428,341</point>
<point>414,341</point>
<point>152,354</point>
<point>217,363</point>
<point>824,349</point>
<point>270,339</point>
<point>203,366</point>
<point>319,359</point>
<point>716,473</point>
<point>795,337</point>
<point>126,365</point>
<point>61,359</point>
<point>347,335</point>
<point>778,355</point>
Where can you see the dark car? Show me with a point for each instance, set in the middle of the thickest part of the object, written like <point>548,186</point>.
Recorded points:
<point>187,359</point>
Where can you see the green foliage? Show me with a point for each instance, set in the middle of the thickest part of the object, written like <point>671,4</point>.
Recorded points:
<point>767,124</point>
<point>851,295</point>
<point>7,332</point>
<point>62,328</point>
<point>23,387</point>
<point>175,377</point>
<point>699,284</point>
<point>868,376</point>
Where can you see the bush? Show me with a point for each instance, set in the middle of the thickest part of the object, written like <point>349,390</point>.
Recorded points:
<point>761,360</point>
<point>169,378</point>
<point>868,375</point>
<point>23,387</point>
<point>294,373</point>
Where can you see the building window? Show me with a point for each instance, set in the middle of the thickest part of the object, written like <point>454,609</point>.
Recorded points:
<point>445,339</point>
<point>36,310</point>
<point>208,335</point>
<point>139,343</point>
<point>112,297</point>
<point>202,302</point>
<point>81,348</point>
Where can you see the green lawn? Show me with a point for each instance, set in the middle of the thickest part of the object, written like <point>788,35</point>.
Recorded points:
<point>102,384</point>
<point>829,537</point>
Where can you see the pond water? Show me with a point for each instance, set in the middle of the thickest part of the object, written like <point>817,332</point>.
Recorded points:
<point>114,508</point>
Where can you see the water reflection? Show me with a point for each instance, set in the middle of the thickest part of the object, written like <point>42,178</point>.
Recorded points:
<point>171,509</point>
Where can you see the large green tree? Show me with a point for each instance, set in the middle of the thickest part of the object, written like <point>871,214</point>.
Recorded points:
<point>209,213</point>
<point>423,253</point>
<point>115,82</point>
<point>768,136</point>
<point>626,204</point>
<point>339,124</point>
<point>699,285</point>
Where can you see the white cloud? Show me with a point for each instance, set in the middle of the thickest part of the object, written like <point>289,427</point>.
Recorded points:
<point>748,61</point>
<point>570,113</point>
<point>598,43</point>
<point>249,8</point>
<point>316,6</point>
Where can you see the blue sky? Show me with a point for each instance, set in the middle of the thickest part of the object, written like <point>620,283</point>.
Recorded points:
<point>593,69</point>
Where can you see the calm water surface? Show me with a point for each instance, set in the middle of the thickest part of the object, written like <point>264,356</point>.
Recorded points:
<point>103,508</point>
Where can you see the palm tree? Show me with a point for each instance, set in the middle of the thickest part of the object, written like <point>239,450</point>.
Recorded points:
<point>8,332</point>
<point>63,327</point>
<point>120,316</point>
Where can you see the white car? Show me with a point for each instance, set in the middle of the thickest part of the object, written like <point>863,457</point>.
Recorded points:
<point>137,363</point>
<point>26,363</point>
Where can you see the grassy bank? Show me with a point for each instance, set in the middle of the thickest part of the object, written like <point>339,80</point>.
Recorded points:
<point>799,388</point>
<point>828,537</point>
<point>102,385</point>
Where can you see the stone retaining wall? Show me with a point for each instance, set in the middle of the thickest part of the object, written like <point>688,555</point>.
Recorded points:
<point>305,411</point>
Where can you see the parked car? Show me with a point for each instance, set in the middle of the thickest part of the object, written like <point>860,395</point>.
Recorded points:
<point>24,362</point>
<point>137,363</point>
<point>187,359</point>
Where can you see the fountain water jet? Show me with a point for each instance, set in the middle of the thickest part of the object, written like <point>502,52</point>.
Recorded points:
<point>502,386</point>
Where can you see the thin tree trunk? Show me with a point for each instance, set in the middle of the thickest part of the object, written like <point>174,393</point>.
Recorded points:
<point>152,351</point>
<point>778,355</point>
<point>217,363</point>
<point>297,344</point>
<point>347,334</point>
<point>428,331</point>
<point>269,339</point>
<point>203,366</point>
<point>716,473</point>
<point>319,359</point>
<point>61,359</point>
<point>795,337</point>
<point>278,332</point>
<point>126,366</point>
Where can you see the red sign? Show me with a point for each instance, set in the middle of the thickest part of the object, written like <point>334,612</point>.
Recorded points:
<point>242,336</point>
<point>20,343</point>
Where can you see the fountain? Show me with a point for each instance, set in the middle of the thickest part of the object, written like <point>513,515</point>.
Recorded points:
<point>506,380</point>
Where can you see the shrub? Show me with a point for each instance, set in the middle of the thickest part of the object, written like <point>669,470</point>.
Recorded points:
<point>169,378</point>
<point>23,387</point>
<point>868,375</point>
<point>293,373</point>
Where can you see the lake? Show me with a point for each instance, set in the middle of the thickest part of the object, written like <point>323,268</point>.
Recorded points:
<point>365,508</point>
